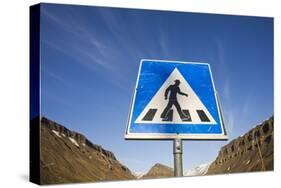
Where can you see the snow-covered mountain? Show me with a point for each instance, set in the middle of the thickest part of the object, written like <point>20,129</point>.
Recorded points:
<point>199,170</point>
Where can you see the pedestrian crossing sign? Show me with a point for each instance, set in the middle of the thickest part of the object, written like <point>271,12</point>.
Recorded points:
<point>175,99</point>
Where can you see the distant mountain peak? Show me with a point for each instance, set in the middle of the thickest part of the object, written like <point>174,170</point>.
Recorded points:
<point>159,165</point>
<point>159,170</point>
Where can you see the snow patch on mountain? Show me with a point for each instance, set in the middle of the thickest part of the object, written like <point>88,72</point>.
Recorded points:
<point>139,175</point>
<point>73,141</point>
<point>199,170</point>
<point>56,133</point>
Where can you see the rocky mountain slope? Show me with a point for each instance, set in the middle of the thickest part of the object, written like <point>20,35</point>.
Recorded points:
<point>159,171</point>
<point>68,157</point>
<point>251,152</point>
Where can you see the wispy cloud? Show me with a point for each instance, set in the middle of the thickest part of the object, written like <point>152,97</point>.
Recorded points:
<point>66,104</point>
<point>229,109</point>
<point>164,47</point>
<point>248,99</point>
<point>60,22</point>
<point>81,41</point>
<point>220,53</point>
<point>57,78</point>
<point>222,68</point>
<point>92,50</point>
<point>226,90</point>
<point>230,121</point>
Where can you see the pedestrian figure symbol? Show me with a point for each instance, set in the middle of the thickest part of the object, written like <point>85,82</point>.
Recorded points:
<point>175,102</point>
<point>173,90</point>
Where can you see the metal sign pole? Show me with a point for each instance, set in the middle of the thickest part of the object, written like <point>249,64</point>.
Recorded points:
<point>178,170</point>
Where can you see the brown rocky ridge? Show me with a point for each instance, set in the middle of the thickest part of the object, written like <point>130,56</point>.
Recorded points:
<point>248,153</point>
<point>69,157</point>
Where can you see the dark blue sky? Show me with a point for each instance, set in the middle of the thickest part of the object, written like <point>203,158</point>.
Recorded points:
<point>90,59</point>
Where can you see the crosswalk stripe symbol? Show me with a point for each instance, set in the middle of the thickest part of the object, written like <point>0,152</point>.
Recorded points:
<point>181,106</point>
